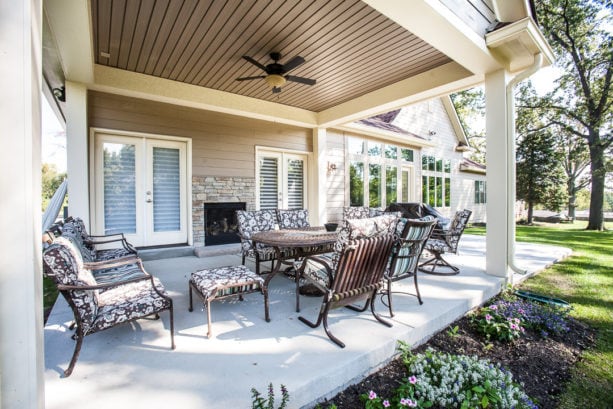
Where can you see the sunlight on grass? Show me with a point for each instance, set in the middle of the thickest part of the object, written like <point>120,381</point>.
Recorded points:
<point>585,279</point>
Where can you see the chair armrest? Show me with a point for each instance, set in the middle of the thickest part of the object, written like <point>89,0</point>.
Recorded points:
<point>118,262</point>
<point>106,286</point>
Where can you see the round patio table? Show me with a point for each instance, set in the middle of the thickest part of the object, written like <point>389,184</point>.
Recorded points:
<point>301,242</point>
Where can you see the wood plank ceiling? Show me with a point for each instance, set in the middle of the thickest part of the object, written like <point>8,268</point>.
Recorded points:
<point>349,48</point>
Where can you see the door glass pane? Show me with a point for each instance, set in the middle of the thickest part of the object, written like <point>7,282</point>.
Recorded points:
<point>356,184</point>
<point>119,188</point>
<point>391,184</point>
<point>166,190</point>
<point>405,186</point>
<point>295,184</point>
<point>374,185</point>
<point>269,183</point>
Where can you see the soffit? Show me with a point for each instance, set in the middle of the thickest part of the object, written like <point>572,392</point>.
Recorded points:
<point>349,48</point>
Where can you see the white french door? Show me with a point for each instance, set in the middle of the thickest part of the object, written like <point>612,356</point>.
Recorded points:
<point>407,184</point>
<point>141,188</point>
<point>282,180</point>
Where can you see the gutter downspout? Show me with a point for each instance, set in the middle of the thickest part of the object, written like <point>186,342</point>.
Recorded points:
<point>510,135</point>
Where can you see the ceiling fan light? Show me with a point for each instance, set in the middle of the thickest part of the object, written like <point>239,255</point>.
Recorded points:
<point>275,80</point>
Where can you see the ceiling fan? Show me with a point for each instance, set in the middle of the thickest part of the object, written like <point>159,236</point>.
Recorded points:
<point>276,74</point>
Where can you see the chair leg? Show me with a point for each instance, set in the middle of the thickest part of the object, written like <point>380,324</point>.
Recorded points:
<point>172,325</point>
<point>372,309</point>
<point>191,308</point>
<point>209,333</point>
<point>389,297</point>
<point>438,262</point>
<point>327,330</point>
<point>75,354</point>
<point>416,289</point>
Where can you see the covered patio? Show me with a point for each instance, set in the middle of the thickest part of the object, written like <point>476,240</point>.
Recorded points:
<point>133,365</point>
<point>142,70</point>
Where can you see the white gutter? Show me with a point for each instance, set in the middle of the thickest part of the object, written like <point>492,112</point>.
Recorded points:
<point>510,135</point>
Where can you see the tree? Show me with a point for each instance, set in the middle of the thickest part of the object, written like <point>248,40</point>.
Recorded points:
<point>540,174</point>
<point>575,153</point>
<point>50,181</point>
<point>582,101</point>
<point>470,106</point>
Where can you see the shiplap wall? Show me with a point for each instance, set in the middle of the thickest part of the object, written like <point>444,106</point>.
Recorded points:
<point>222,145</point>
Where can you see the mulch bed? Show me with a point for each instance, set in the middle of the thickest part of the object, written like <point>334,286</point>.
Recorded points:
<point>542,364</point>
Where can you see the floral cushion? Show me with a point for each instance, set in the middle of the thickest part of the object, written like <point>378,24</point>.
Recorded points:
<point>221,281</point>
<point>293,218</point>
<point>121,273</point>
<point>447,242</point>
<point>64,265</point>
<point>356,212</point>
<point>251,222</point>
<point>128,302</point>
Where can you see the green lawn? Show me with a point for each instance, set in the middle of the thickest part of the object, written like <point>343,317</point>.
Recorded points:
<point>585,279</point>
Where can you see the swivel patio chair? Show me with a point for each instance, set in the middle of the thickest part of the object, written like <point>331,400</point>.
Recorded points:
<point>355,276</point>
<point>445,241</point>
<point>406,254</point>
<point>97,306</point>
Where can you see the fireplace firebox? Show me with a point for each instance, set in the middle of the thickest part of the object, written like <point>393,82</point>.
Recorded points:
<point>220,223</point>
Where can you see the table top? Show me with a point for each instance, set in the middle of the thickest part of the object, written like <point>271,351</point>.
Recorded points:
<point>308,236</point>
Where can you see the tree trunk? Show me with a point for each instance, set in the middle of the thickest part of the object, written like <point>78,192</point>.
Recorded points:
<point>572,198</point>
<point>530,212</point>
<point>596,219</point>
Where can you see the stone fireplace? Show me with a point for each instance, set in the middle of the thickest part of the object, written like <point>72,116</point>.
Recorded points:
<point>220,224</point>
<point>213,190</point>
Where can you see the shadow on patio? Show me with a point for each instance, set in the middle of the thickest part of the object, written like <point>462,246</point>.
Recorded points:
<point>132,366</point>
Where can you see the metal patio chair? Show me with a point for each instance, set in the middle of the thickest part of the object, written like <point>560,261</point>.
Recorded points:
<point>98,306</point>
<point>405,255</point>
<point>356,276</point>
<point>445,241</point>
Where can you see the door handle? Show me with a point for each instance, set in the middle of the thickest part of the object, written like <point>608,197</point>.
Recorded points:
<point>149,200</point>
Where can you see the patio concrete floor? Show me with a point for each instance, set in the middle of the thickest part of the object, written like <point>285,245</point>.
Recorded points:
<point>132,366</point>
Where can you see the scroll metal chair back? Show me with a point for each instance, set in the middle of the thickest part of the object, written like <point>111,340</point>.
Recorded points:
<point>358,276</point>
<point>406,254</point>
<point>445,241</point>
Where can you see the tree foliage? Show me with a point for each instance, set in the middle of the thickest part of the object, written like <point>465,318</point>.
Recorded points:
<point>582,103</point>
<point>470,107</point>
<point>51,179</point>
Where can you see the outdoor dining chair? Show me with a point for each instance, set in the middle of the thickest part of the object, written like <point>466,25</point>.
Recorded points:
<point>356,276</point>
<point>405,255</point>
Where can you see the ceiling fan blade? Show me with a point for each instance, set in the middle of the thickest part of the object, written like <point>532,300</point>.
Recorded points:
<point>251,78</point>
<point>301,80</point>
<point>254,62</point>
<point>293,63</point>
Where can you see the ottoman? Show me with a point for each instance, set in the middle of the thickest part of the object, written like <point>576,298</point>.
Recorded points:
<point>223,282</point>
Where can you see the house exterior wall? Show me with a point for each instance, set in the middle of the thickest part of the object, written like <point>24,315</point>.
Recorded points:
<point>223,146</point>
<point>466,196</point>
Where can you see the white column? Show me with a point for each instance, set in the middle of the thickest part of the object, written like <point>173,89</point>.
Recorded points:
<point>21,309</point>
<point>499,232</point>
<point>318,191</point>
<point>76,151</point>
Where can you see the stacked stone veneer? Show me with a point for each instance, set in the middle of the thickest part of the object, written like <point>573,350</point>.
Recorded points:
<point>214,189</point>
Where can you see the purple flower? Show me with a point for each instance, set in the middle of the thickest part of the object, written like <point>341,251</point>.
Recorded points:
<point>386,403</point>
<point>405,402</point>
<point>412,380</point>
<point>488,317</point>
<point>372,395</point>
<point>493,307</point>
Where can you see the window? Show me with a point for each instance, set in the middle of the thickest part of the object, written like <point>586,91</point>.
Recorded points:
<point>436,181</point>
<point>282,180</point>
<point>356,184</point>
<point>480,192</point>
<point>375,172</point>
